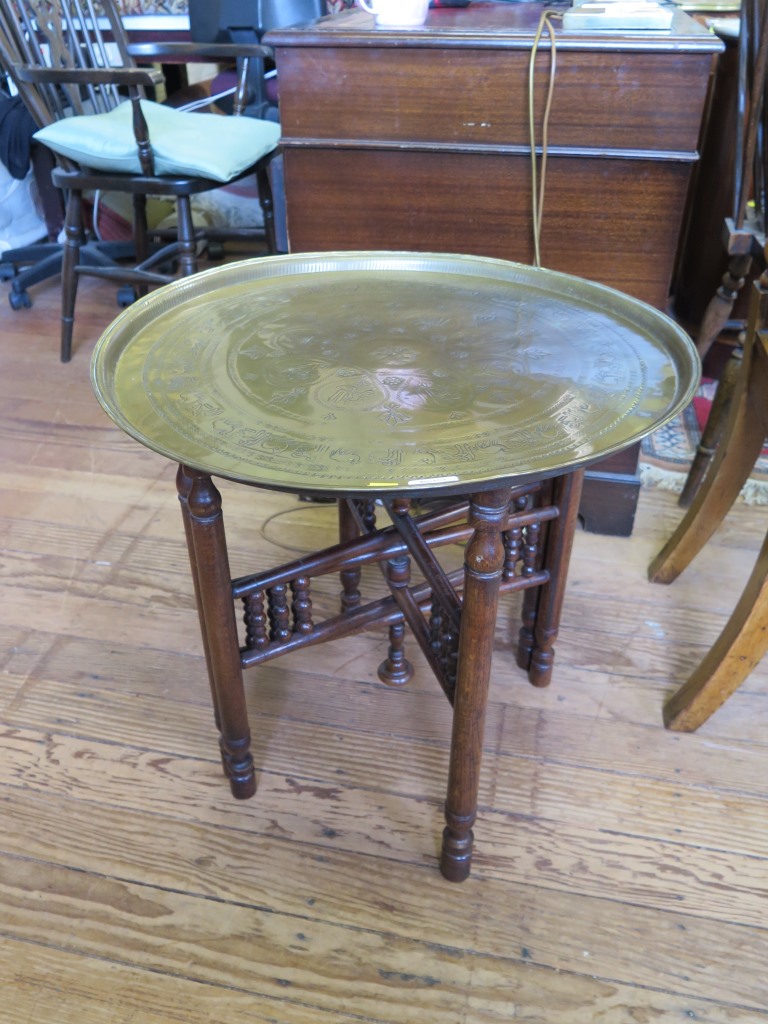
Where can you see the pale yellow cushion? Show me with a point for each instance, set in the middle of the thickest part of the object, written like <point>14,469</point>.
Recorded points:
<point>202,145</point>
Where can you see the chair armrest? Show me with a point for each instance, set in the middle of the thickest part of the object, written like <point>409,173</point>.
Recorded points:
<point>134,78</point>
<point>92,76</point>
<point>213,52</point>
<point>191,52</point>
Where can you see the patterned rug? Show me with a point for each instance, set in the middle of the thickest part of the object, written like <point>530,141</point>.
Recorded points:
<point>666,454</point>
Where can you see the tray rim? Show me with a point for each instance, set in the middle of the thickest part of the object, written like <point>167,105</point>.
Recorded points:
<point>489,269</point>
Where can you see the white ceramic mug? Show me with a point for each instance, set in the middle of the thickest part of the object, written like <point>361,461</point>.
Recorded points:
<point>397,13</point>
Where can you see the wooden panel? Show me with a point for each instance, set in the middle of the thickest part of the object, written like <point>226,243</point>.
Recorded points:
<point>608,504</point>
<point>652,101</point>
<point>621,462</point>
<point>614,221</point>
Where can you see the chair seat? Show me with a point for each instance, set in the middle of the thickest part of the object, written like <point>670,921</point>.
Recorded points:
<point>207,146</point>
<point>138,184</point>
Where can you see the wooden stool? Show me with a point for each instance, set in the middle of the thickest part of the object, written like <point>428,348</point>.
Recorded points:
<point>478,387</point>
<point>744,640</point>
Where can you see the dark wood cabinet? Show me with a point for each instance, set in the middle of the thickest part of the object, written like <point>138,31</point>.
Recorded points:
<point>420,140</point>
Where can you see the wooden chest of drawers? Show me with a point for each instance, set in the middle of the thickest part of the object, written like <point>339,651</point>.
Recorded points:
<point>420,140</point>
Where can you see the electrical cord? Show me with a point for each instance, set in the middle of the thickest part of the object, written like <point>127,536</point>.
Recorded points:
<point>207,100</point>
<point>95,214</point>
<point>538,177</point>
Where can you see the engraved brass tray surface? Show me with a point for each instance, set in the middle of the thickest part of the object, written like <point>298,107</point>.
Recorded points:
<point>380,371</point>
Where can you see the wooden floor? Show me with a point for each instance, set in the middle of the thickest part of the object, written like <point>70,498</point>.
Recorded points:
<point>621,872</point>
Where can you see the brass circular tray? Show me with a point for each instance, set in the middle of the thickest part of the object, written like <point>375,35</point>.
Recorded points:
<point>364,371</point>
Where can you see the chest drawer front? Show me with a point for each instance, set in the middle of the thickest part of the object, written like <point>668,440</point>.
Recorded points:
<point>478,98</point>
<point>613,221</point>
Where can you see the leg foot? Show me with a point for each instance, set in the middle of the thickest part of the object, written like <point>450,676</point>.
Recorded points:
<point>456,855</point>
<point>238,768</point>
<point>396,670</point>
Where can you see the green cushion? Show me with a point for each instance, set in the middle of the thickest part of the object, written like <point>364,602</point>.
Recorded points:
<point>202,145</point>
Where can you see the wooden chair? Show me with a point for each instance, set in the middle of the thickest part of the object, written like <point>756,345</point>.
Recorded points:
<point>26,265</point>
<point>744,640</point>
<point>744,230</point>
<point>75,72</point>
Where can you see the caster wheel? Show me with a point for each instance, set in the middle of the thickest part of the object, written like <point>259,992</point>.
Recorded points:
<point>126,295</point>
<point>7,271</point>
<point>19,300</point>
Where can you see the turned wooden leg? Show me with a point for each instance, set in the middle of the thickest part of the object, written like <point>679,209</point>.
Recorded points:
<point>530,555</point>
<point>713,429</point>
<point>217,615</point>
<point>73,239</point>
<point>184,481</point>
<point>737,650</point>
<point>721,304</point>
<point>483,566</point>
<point>396,670</point>
<point>186,237</point>
<point>140,234</point>
<point>350,578</point>
<point>566,492</point>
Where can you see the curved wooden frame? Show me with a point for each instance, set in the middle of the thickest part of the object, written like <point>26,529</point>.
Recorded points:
<point>744,640</point>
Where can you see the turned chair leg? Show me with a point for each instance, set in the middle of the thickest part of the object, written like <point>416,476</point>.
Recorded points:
<point>714,428</point>
<point>713,323</point>
<point>140,235</point>
<point>74,236</point>
<point>722,302</point>
<point>186,237</point>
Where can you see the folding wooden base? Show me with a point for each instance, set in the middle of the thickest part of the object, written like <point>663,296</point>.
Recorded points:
<point>514,539</point>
